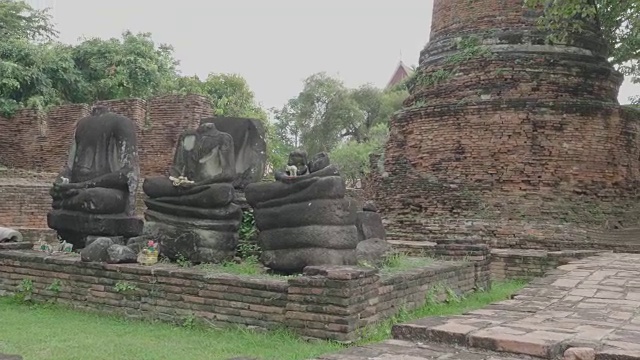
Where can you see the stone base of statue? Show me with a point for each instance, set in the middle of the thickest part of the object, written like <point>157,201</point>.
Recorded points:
<point>197,235</point>
<point>74,227</point>
<point>305,221</point>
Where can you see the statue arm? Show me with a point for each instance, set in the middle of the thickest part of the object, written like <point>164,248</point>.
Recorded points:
<point>114,180</point>
<point>66,170</point>
<point>177,168</point>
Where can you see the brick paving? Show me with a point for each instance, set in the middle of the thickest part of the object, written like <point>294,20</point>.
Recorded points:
<point>588,309</point>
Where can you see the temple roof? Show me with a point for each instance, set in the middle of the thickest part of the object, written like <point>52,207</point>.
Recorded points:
<point>400,74</point>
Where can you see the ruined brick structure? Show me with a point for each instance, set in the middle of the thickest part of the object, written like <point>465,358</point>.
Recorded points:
<point>40,142</point>
<point>506,138</point>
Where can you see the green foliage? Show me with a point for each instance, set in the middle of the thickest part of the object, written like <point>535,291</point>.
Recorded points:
<point>352,158</point>
<point>38,72</point>
<point>124,287</point>
<point>182,261</point>
<point>130,67</point>
<point>326,111</point>
<point>230,94</point>
<point>247,246</point>
<point>55,286</point>
<point>24,291</point>
<point>347,123</point>
<point>468,47</point>
<point>18,20</point>
<point>619,22</point>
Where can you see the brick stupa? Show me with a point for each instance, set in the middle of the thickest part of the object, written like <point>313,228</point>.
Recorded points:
<point>507,138</point>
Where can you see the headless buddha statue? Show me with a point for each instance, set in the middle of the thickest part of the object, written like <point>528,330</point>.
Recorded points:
<point>94,194</point>
<point>191,212</point>
<point>203,157</point>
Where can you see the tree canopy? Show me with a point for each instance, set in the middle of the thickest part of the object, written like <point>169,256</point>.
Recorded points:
<point>38,71</point>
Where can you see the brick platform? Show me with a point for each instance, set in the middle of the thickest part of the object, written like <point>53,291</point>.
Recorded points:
<point>592,305</point>
<point>325,302</point>
<point>526,264</point>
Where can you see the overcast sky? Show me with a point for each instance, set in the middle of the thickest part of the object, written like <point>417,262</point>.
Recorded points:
<point>274,44</point>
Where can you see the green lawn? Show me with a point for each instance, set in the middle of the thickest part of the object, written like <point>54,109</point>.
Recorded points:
<point>47,332</point>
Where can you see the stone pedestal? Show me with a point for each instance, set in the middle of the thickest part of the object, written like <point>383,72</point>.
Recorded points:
<point>74,227</point>
<point>197,240</point>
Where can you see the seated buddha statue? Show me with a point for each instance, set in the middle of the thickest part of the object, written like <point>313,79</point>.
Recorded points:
<point>190,212</point>
<point>94,194</point>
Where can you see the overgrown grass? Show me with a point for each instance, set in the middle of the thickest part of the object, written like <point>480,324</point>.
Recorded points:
<point>49,332</point>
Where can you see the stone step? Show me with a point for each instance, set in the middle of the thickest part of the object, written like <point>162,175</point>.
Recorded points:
<point>23,245</point>
<point>505,340</point>
<point>404,350</point>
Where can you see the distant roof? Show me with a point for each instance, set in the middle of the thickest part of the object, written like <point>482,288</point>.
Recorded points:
<point>400,74</point>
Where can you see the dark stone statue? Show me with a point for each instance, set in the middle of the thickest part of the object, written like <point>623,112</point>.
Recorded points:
<point>305,219</point>
<point>297,163</point>
<point>190,213</point>
<point>94,195</point>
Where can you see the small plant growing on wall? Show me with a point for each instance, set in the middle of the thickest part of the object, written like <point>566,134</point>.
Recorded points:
<point>24,291</point>
<point>55,287</point>
<point>124,287</point>
<point>182,261</point>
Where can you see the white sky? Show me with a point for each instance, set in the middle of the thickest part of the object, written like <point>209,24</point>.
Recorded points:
<point>273,44</point>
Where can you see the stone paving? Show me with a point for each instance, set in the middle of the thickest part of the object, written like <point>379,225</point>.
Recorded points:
<point>588,309</point>
<point>404,350</point>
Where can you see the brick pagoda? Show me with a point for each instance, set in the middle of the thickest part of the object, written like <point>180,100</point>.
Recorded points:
<point>508,138</point>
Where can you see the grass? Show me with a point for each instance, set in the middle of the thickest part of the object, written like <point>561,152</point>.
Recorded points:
<point>49,332</point>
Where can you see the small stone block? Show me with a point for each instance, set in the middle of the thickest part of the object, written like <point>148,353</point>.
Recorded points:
<point>580,354</point>
<point>339,272</point>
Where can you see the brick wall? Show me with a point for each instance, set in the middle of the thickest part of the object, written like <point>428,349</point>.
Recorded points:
<point>325,302</point>
<point>24,206</point>
<point>526,264</point>
<point>513,133</point>
<point>40,142</point>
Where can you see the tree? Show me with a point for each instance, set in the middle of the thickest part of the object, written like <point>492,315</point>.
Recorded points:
<point>376,107</point>
<point>352,158</point>
<point>618,21</point>
<point>350,124</point>
<point>18,20</point>
<point>35,76</point>
<point>326,113</point>
<point>230,94</point>
<point>130,67</point>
